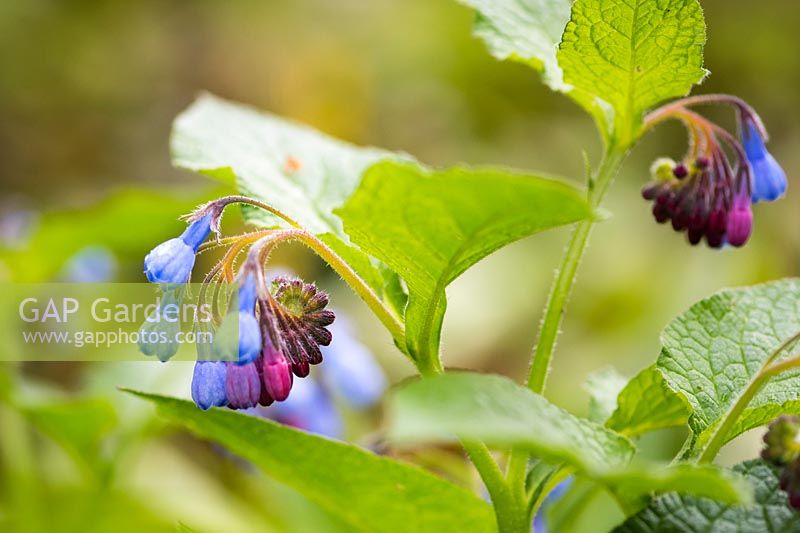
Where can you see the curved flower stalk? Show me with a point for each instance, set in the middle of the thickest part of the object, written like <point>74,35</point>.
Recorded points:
<point>273,335</point>
<point>709,194</point>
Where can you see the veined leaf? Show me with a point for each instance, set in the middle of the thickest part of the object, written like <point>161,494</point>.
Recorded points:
<point>633,54</point>
<point>769,512</point>
<point>430,226</point>
<point>712,352</point>
<point>367,491</point>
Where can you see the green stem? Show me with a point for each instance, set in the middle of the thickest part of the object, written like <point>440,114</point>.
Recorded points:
<point>559,295</point>
<point>565,275</point>
<point>511,514</point>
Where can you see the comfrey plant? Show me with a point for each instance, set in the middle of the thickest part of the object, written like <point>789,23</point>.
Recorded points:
<point>398,233</point>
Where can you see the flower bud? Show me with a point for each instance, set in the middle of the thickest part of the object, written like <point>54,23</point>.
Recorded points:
<point>208,384</point>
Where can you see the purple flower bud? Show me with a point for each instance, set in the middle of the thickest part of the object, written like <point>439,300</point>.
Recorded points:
<point>208,384</point>
<point>277,376</point>
<point>769,179</point>
<point>242,385</point>
<point>351,370</point>
<point>740,221</point>
<point>249,328</point>
<point>172,261</point>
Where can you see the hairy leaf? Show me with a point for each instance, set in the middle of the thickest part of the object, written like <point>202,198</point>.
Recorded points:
<point>633,54</point>
<point>673,512</point>
<point>712,352</point>
<point>430,226</point>
<point>367,491</point>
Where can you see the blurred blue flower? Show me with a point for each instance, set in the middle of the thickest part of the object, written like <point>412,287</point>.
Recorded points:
<point>92,264</point>
<point>208,384</point>
<point>172,261</point>
<point>309,408</point>
<point>350,369</point>
<point>16,223</point>
<point>539,523</point>
<point>769,179</point>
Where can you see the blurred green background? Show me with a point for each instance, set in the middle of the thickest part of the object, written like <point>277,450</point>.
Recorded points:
<point>87,94</point>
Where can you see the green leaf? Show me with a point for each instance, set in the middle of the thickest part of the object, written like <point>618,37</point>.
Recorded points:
<point>712,352</point>
<point>603,386</point>
<point>528,31</point>
<point>369,492</point>
<point>495,410</point>
<point>638,481</point>
<point>673,512</point>
<point>294,168</point>
<point>502,414</point>
<point>647,404</point>
<point>430,226</point>
<point>633,54</point>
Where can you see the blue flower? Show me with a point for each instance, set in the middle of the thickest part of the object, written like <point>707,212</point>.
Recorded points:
<point>242,385</point>
<point>208,384</point>
<point>351,370</point>
<point>249,328</point>
<point>769,179</point>
<point>172,260</point>
<point>310,409</point>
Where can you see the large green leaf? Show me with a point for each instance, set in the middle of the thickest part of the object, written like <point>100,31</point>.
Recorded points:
<point>291,167</point>
<point>673,512</point>
<point>633,54</point>
<point>430,226</point>
<point>712,352</point>
<point>528,31</point>
<point>647,404</point>
<point>502,414</point>
<point>497,411</point>
<point>367,491</point>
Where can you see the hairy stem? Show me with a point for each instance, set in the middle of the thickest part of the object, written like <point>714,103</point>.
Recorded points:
<point>565,275</point>
<point>511,513</point>
<point>560,291</point>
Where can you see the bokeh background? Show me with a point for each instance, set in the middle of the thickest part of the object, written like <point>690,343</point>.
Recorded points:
<point>88,91</point>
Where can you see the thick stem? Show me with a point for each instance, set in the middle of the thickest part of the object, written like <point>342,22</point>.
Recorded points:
<point>511,513</point>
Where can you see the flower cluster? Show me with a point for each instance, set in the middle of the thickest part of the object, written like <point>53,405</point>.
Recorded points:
<point>273,335</point>
<point>709,194</point>
<point>782,449</point>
